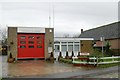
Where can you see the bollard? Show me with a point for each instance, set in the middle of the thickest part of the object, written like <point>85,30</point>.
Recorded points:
<point>51,57</point>
<point>10,58</point>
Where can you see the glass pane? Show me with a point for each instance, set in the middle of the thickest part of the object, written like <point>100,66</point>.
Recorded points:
<point>56,42</point>
<point>64,47</point>
<point>57,48</point>
<point>31,37</point>
<point>38,42</point>
<point>22,46</point>
<point>31,46</point>
<point>70,47</point>
<point>31,42</point>
<point>70,43</point>
<point>22,37</point>
<point>64,42</point>
<point>76,48</point>
<point>22,42</point>
<point>39,37</point>
<point>39,46</point>
<point>76,42</point>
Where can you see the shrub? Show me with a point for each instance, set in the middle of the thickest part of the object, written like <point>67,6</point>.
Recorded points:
<point>78,54</point>
<point>60,56</point>
<point>97,53</point>
<point>66,55</point>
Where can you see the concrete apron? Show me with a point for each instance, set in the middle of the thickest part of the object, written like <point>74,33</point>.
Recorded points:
<point>27,68</point>
<point>45,69</point>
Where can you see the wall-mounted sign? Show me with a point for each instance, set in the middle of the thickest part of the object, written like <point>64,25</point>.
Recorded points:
<point>31,30</point>
<point>85,54</point>
<point>49,49</point>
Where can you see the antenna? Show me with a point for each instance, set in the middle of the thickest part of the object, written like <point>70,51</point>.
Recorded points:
<point>53,16</point>
<point>51,7</point>
<point>49,14</point>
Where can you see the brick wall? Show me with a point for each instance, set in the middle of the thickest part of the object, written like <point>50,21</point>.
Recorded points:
<point>12,40</point>
<point>49,38</point>
<point>86,46</point>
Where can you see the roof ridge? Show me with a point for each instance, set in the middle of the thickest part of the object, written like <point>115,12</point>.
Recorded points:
<point>102,26</point>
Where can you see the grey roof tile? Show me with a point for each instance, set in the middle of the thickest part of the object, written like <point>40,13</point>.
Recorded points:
<point>109,31</point>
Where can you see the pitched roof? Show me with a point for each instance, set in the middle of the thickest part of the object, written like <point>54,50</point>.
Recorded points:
<point>109,31</point>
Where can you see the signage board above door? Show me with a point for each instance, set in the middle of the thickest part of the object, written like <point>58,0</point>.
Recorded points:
<point>31,30</point>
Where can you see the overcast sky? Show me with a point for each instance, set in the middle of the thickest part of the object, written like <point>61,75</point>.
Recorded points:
<point>69,16</point>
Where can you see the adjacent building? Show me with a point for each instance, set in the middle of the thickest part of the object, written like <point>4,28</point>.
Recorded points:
<point>110,33</point>
<point>63,44</point>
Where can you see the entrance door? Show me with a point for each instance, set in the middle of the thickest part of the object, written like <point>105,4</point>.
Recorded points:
<point>57,51</point>
<point>30,45</point>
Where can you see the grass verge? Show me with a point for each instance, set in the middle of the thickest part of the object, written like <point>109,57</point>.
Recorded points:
<point>108,65</point>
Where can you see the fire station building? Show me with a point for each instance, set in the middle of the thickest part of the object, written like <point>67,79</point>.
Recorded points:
<point>30,42</point>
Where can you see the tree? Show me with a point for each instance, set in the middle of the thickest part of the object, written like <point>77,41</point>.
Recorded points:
<point>76,35</point>
<point>107,47</point>
<point>66,35</point>
<point>3,36</point>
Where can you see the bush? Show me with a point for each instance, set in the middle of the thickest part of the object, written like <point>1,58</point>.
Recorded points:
<point>66,57</point>
<point>97,53</point>
<point>60,56</point>
<point>114,52</point>
<point>69,61</point>
<point>78,54</point>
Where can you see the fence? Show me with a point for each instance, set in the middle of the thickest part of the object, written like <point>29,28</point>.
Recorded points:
<point>97,60</point>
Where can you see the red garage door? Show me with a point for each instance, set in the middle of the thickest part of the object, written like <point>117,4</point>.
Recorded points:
<point>30,45</point>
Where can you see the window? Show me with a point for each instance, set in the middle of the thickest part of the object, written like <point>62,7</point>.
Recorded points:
<point>64,48</point>
<point>70,43</point>
<point>76,47</point>
<point>64,42</point>
<point>70,47</point>
<point>38,42</point>
<point>39,46</point>
<point>22,37</point>
<point>39,37</point>
<point>57,48</point>
<point>76,42</point>
<point>31,37</point>
<point>22,46</point>
<point>31,42</point>
<point>22,42</point>
<point>56,42</point>
<point>31,46</point>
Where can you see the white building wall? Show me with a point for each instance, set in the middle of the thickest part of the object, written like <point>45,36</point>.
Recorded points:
<point>75,41</point>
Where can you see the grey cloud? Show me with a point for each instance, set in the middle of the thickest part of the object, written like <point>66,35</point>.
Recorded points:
<point>70,17</point>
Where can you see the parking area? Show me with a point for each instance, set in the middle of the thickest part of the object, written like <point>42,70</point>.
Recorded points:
<point>35,68</point>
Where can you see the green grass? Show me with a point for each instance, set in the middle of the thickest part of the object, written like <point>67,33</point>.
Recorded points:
<point>69,61</point>
<point>100,60</point>
<point>117,59</point>
<point>80,60</point>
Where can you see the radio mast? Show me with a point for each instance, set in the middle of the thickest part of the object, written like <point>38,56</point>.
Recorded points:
<point>49,13</point>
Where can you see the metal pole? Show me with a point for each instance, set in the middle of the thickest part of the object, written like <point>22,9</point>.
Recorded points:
<point>102,45</point>
<point>49,13</point>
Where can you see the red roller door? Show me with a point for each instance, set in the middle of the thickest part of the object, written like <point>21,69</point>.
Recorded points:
<point>30,46</point>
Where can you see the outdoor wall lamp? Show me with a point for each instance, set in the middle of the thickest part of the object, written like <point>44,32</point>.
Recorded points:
<point>11,42</point>
<point>50,43</point>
